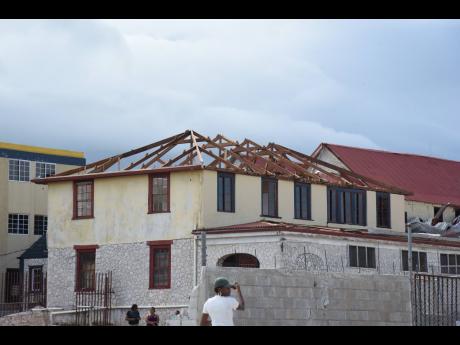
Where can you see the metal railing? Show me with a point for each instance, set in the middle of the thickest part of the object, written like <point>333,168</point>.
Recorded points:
<point>21,291</point>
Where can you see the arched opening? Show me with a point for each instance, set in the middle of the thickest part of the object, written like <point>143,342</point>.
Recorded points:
<point>239,260</point>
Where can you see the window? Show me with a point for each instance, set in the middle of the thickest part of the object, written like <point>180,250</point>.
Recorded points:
<point>450,263</point>
<point>36,278</point>
<point>18,224</point>
<point>19,170</point>
<point>40,225</point>
<point>83,199</point>
<point>436,209</point>
<point>457,212</point>
<point>346,206</point>
<point>383,210</point>
<point>86,268</point>
<point>419,261</point>
<point>44,169</point>
<point>160,264</point>
<point>225,192</point>
<point>361,256</point>
<point>269,197</point>
<point>159,193</point>
<point>302,201</point>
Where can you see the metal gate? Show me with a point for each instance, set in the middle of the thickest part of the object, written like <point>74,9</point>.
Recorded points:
<point>94,305</point>
<point>20,291</point>
<point>435,300</point>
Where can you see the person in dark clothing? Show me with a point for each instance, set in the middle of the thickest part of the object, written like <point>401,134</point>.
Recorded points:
<point>152,319</point>
<point>133,316</point>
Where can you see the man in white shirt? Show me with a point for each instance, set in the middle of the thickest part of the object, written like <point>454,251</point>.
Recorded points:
<point>220,307</point>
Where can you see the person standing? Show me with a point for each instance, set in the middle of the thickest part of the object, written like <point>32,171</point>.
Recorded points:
<point>220,307</point>
<point>133,316</point>
<point>152,319</point>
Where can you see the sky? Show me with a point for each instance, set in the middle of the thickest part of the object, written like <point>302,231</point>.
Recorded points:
<point>107,86</point>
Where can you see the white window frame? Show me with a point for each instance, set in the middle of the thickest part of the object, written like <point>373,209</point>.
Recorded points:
<point>45,221</point>
<point>46,165</point>
<point>19,172</point>
<point>376,258</point>
<point>17,233</point>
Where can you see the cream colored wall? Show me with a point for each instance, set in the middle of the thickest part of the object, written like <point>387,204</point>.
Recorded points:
<point>248,204</point>
<point>326,155</point>
<point>24,198</point>
<point>398,222</point>
<point>426,210</point>
<point>120,212</point>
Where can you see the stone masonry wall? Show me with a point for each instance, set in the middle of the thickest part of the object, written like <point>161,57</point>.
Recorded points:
<point>276,298</point>
<point>129,264</point>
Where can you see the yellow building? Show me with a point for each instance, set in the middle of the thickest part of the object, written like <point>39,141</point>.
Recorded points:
<point>23,204</point>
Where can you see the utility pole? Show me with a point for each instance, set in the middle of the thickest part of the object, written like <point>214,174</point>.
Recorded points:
<point>409,264</point>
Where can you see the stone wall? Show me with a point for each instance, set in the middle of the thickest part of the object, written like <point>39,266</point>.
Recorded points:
<point>34,317</point>
<point>129,264</point>
<point>280,298</point>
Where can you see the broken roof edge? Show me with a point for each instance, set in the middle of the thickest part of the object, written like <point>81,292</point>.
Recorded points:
<point>272,226</point>
<point>247,158</point>
<point>92,176</point>
<point>331,145</point>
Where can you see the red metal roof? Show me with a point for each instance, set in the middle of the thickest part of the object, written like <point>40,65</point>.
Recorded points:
<point>265,226</point>
<point>430,179</point>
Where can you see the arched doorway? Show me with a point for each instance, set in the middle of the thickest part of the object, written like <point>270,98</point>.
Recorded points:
<point>239,260</point>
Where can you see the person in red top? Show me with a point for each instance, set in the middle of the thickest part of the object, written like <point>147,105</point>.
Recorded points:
<point>152,319</point>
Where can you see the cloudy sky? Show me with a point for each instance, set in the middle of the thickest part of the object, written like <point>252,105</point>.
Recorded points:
<point>107,86</point>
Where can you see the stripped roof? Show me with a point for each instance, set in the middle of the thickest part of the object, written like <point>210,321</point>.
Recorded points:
<point>191,150</point>
<point>272,226</point>
<point>430,179</point>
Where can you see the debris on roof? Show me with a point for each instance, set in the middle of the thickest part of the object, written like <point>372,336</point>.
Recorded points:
<point>435,226</point>
<point>191,150</point>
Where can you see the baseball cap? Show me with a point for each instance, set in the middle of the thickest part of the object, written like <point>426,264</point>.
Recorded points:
<point>222,283</point>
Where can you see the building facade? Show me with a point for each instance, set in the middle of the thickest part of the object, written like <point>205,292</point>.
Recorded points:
<point>23,204</point>
<point>262,209</point>
<point>432,181</point>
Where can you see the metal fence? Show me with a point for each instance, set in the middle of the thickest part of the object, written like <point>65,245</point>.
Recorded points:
<point>435,300</point>
<point>21,291</point>
<point>94,304</point>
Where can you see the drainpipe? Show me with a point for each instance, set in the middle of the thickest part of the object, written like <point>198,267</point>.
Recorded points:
<point>194,261</point>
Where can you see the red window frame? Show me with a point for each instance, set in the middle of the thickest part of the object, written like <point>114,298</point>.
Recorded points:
<point>150,196</point>
<point>75,204</point>
<point>84,249</point>
<point>155,245</point>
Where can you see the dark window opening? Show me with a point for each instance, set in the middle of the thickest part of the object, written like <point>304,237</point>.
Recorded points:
<point>159,193</point>
<point>18,224</point>
<point>346,206</point>
<point>240,260</point>
<point>362,256</point>
<point>450,263</point>
<point>36,278</point>
<point>436,210</point>
<point>269,197</point>
<point>160,266</point>
<point>225,192</point>
<point>302,201</point>
<point>383,210</point>
<point>419,261</point>
<point>40,225</point>
<point>86,269</point>
<point>83,199</point>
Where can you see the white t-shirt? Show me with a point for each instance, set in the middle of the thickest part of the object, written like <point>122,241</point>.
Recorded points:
<point>220,309</point>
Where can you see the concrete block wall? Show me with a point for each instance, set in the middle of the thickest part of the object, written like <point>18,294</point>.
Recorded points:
<point>278,298</point>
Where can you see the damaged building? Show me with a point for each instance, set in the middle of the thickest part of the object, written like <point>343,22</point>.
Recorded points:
<point>144,214</point>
